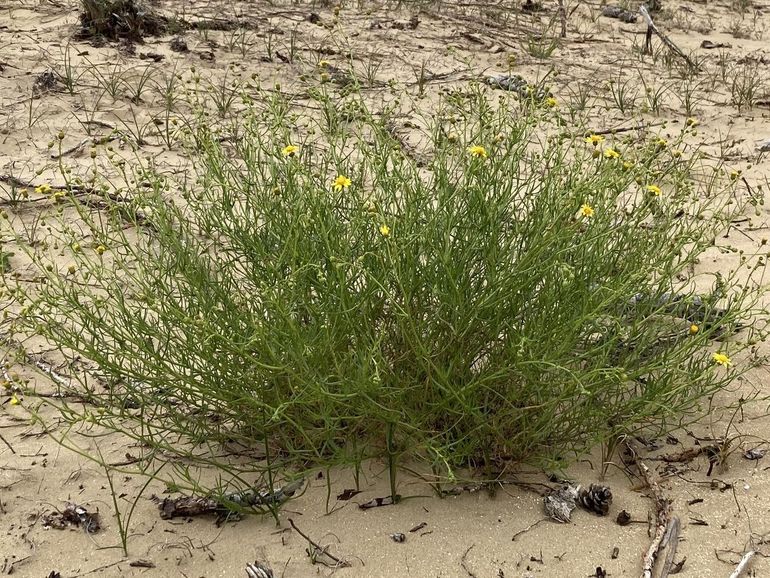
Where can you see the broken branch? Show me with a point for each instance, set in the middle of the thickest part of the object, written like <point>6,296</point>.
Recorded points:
<point>670,542</point>
<point>743,564</point>
<point>317,548</point>
<point>652,29</point>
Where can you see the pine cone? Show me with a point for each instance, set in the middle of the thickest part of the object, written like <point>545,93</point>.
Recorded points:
<point>596,499</point>
<point>560,503</point>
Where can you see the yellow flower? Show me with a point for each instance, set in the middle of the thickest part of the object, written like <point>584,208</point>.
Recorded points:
<point>628,165</point>
<point>43,189</point>
<point>594,139</point>
<point>478,151</point>
<point>586,210</point>
<point>692,121</point>
<point>551,102</point>
<point>101,249</point>
<point>676,153</point>
<point>611,154</point>
<point>15,400</point>
<point>384,230</point>
<point>654,189</point>
<point>694,329</point>
<point>661,142</point>
<point>323,63</point>
<point>734,175</point>
<point>722,359</point>
<point>341,182</point>
<point>289,150</point>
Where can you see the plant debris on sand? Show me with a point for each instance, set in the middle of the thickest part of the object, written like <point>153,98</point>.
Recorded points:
<point>119,20</point>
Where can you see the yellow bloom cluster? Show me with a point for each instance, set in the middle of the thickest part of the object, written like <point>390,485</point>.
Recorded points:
<point>341,182</point>
<point>289,150</point>
<point>477,151</point>
<point>654,190</point>
<point>594,139</point>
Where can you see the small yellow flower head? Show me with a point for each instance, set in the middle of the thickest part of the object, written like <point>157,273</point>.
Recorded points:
<point>341,182</point>
<point>76,247</point>
<point>551,102</point>
<point>611,154</point>
<point>722,359</point>
<point>734,175</point>
<point>654,190</point>
<point>323,63</point>
<point>384,230</point>
<point>43,189</point>
<point>59,196</point>
<point>15,400</point>
<point>289,150</point>
<point>694,329</point>
<point>594,139</point>
<point>692,121</point>
<point>71,269</point>
<point>101,249</point>
<point>628,165</point>
<point>325,77</point>
<point>478,151</point>
<point>586,210</point>
<point>676,153</point>
<point>661,142</point>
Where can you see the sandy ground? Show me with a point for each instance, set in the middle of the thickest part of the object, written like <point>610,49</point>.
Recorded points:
<point>473,534</point>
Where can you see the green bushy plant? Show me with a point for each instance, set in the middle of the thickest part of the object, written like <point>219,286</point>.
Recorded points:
<point>324,295</point>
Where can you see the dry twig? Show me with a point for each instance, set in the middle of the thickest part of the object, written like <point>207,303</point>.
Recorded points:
<point>664,527</point>
<point>670,542</point>
<point>318,549</point>
<point>652,29</point>
<point>563,18</point>
<point>662,515</point>
<point>743,564</point>
<point>464,564</point>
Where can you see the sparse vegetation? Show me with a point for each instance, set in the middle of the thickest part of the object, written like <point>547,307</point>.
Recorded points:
<point>303,244</point>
